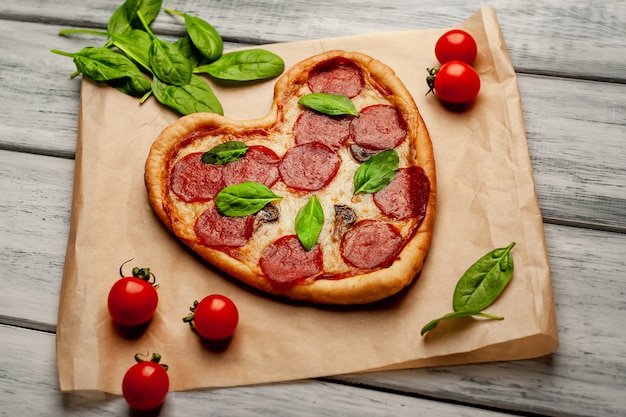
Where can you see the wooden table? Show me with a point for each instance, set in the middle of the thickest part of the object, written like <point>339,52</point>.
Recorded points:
<point>570,59</point>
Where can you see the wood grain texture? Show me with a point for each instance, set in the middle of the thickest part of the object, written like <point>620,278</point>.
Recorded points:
<point>585,377</point>
<point>569,58</point>
<point>28,382</point>
<point>544,36</point>
<point>588,278</point>
<point>562,120</point>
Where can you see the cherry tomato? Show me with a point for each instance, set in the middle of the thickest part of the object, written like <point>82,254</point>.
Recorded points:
<point>215,317</point>
<point>145,384</point>
<point>133,300</point>
<point>455,82</point>
<point>456,45</point>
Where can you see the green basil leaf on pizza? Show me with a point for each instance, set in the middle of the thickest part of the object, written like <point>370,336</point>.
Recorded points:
<point>309,222</point>
<point>377,172</point>
<point>244,199</point>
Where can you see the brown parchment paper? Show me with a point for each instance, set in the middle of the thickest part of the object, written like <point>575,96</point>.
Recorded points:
<point>486,200</point>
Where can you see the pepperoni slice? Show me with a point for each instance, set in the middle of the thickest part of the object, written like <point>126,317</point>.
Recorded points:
<point>214,229</point>
<point>336,76</point>
<point>379,127</point>
<point>286,261</point>
<point>193,180</point>
<point>309,167</point>
<point>371,244</point>
<point>406,195</point>
<point>316,127</point>
<point>259,164</point>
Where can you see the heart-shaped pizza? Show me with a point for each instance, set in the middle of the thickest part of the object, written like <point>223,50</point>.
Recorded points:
<point>329,198</point>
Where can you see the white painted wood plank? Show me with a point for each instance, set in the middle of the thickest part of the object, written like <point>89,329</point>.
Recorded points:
<point>34,225</point>
<point>586,376</point>
<point>544,36</point>
<point>28,382</point>
<point>576,135</point>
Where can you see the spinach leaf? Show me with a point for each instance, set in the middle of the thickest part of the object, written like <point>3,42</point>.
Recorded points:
<point>197,96</point>
<point>168,63</point>
<point>136,85</point>
<point>483,282</point>
<point>125,17</point>
<point>330,104</point>
<point>309,222</point>
<point>243,199</point>
<point>101,64</point>
<point>249,65</point>
<point>119,22</point>
<point>480,286</point>
<point>225,152</point>
<point>203,35</point>
<point>466,313</point>
<point>188,49</point>
<point>377,172</point>
<point>104,65</point>
<point>136,45</point>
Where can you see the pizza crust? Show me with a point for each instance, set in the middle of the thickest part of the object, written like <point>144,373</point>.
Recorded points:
<point>357,289</point>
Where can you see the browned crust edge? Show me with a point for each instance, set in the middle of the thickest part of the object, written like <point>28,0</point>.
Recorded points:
<point>359,289</point>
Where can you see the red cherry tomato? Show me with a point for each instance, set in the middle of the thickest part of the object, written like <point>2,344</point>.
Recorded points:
<point>215,317</point>
<point>455,82</point>
<point>133,300</point>
<point>145,384</point>
<point>456,45</point>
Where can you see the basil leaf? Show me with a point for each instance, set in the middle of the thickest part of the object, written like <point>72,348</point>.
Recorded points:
<point>466,313</point>
<point>309,222</point>
<point>243,199</point>
<point>483,282</point>
<point>203,35</point>
<point>330,104</point>
<point>252,64</point>
<point>377,172</point>
<point>225,152</point>
<point>195,97</point>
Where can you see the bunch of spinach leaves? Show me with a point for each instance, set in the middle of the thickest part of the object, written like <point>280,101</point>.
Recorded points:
<point>137,62</point>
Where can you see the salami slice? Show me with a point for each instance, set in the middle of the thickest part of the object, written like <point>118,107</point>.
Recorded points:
<point>378,127</point>
<point>214,229</point>
<point>193,180</point>
<point>260,164</point>
<point>309,167</point>
<point>406,195</point>
<point>316,127</point>
<point>286,261</point>
<point>371,244</point>
<point>336,76</point>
